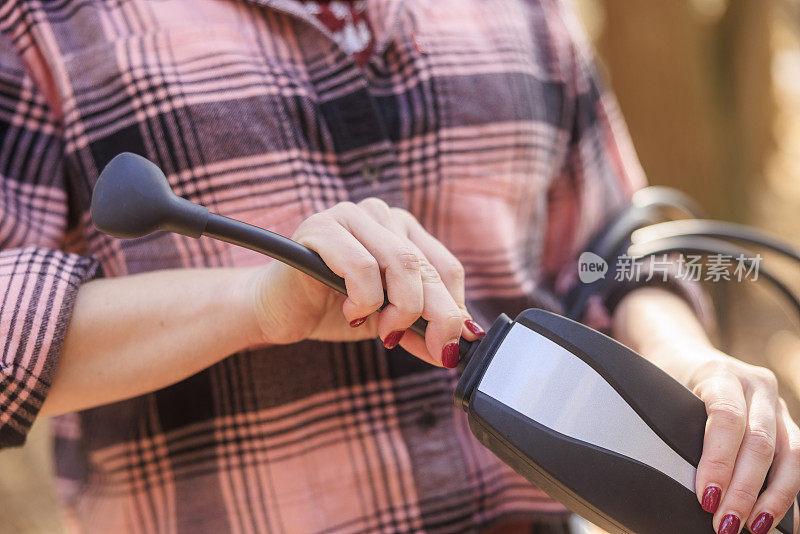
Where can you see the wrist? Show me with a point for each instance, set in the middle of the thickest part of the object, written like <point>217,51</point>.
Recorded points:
<point>649,318</point>
<point>663,328</point>
<point>233,296</point>
<point>695,347</point>
<point>684,359</point>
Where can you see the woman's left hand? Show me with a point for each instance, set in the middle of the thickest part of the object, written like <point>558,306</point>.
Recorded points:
<point>749,435</point>
<point>749,438</point>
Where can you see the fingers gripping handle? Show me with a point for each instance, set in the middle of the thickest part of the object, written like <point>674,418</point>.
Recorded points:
<point>132,198</point>
<point>284,250</point>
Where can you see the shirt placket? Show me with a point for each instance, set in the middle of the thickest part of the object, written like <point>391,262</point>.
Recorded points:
<point>367,155</point>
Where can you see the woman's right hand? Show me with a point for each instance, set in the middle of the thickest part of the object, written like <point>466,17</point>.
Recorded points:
<point>371,246</point>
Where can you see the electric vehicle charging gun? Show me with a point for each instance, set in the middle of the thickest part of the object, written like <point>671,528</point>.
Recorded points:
<point>586,419</point>
<point>589,421</point>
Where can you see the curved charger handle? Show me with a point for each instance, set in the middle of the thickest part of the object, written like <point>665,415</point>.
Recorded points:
<point>132,198</point>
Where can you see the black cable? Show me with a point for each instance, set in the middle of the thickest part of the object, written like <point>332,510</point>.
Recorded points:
<point>707,247</point>
<point>608,244</point>
<point>666,197</point>
<point>639,224</point>
<point>716,229</point>
<point>275,246</point>
<point>646,209</point>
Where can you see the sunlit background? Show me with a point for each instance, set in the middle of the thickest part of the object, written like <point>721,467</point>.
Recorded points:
<point>710,90</point>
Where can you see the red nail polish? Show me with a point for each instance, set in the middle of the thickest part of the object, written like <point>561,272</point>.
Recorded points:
<point>762,524</point>
<point>729,524</point>
<point>450,355</point>
<point>711,498</point>
<point>358,322</point>
<point>393,339</point>
<point>475,328</point>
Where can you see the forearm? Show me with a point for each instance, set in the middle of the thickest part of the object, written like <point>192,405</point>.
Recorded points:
<point>136,334</point>
<point>663,328</point>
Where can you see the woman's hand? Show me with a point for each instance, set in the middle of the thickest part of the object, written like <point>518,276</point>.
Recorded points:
<point>371,246</point>
<point>748,428</point>
<point>748,431</point>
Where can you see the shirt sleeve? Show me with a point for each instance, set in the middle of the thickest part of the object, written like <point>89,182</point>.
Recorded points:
<point>38,281</point>
<point>599,175</point>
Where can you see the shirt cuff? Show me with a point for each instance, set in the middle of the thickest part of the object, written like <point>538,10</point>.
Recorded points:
<point>39,290</point>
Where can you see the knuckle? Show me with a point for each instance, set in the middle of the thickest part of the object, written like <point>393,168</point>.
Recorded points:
<point>341,209</point>
<point>411,309</point>
<point>456,320</point>
<point>429,273</point>
<point>717,465</point>
<point>408,260</point>
<point>451,321</point>
<point>768,379</point>
<point>742,495</point>
<point>711,379</point>
<point>455,271</point>
<point>401,214</point>
<point>784,497</point>
<point>760,443</point>
<point>714,367</point>
<point>403,218</point>
<point>727,414</point>
<point>362,265</point>
<point>314,221</point>
<point>368,299</point>
<point>344,205</point>
<point>374,203</point>
<point>373,301</point>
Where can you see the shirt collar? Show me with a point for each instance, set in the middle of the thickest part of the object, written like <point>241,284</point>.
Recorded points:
<point>383,15</point>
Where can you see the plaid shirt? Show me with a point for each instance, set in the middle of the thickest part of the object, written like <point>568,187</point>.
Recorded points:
<point>483,118</point>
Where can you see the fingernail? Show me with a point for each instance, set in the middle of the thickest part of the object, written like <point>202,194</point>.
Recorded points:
<point>729,525</point>
<point>762,524</point>
<point>475,328</point>
<point>358,322</point>
<point>393,339</point>
<point>450,355</point>
<point>711,498</point>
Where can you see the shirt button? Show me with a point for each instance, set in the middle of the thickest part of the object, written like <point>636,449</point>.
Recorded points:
<point>427,419</point>
<point>370,171</point>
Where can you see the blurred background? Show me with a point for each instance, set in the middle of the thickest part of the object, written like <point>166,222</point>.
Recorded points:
<point>710,90</point>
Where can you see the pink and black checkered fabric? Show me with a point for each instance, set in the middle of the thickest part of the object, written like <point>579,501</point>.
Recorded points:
<point>484,119</point>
